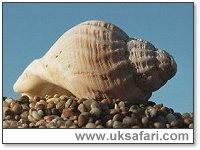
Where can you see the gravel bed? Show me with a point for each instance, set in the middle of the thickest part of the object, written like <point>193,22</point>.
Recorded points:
<point>61,111</point>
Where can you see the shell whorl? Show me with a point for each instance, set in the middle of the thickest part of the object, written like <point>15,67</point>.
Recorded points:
<point>97,57</point>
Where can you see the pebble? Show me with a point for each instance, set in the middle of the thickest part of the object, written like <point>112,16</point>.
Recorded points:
<point>161,119</point>
<point>60,105</point>
<point>36,98</point>
<point>145,120</point>
<point>129,121</point>
<point>6,124</point>
<point>186,115</point>
<point>5,104</point>
<point>55,111</point>
<point>61,111</point>
<point>159,125</point>
<point>9,100</point>
<point>25,107</point>
<point>54,100</point>
<point>40,123</point>
<point>95,112</point>
<point>170,117</point>
<point>68,103</point>
<point>13,124</point>
<point>82,120</point>
<point>117,124</point>
<point>35,115</point>
<point>66,113</point>
<point>63,97</point>
<point>187,121</point>
<point>87,103</point>
<point>81,108</point>
<point>94,104</point>
<point>121,104</point>
<point>99,126</point>
<point>24,99</point>
<point>32,105</point>
<point>6,111</point>
<point>109,124</point>
<point>40,113</point>
<point>153,112</point>
<point>90,125</point>
<point>16,108</point>
<point>176,123</point>
<point>51,105</point>
<point>191,125</point>
<point>117,117</point>
<point>68,123</point>
<point>134,108</point>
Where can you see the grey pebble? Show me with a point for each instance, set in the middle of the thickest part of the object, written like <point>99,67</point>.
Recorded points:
<point>68,103</point>
<point>81,108</point>
<point>129,121</point>
<point>6,124</point>
<point>170,117</point>
<point>90,125</point>
<point>95,112</point>
<point>161,119</point>
<point>117,124</point>
<point>40,113</point>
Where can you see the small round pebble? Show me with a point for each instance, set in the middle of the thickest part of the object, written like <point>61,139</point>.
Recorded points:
<point>90,125</point>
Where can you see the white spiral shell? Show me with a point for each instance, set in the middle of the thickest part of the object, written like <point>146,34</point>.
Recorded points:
<point>98,58</point>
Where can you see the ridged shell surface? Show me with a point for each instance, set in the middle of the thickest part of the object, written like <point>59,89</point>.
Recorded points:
<point>97,58</point>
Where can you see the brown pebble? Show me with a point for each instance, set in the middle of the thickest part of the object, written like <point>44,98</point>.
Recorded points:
<point>66,113</point>
<point>36,98</point>
<point>82,120</point>
<point>13,124</point>
<point>16,108</point>
<point>159,125</point>
<point>51,105</point>
<point>187,121</point>
<point>63,97</point>
<point>24,99</point>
